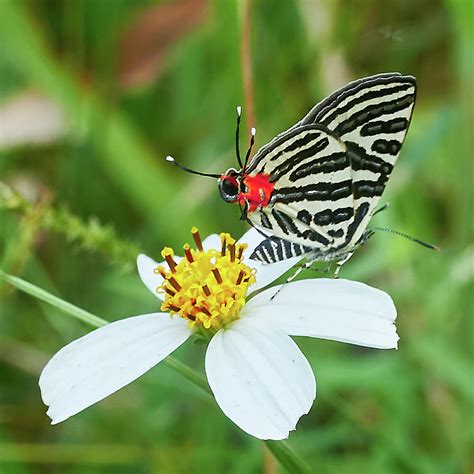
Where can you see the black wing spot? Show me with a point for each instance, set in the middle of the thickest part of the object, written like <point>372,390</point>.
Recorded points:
<point>381,126</point>
<point>386,147</point>
<point>365,117</point>
<point>337,216</point>
<point>304,216</point>
<point>336,233</point>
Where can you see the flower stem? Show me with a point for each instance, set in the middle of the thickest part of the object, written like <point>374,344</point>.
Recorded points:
<point>43,295</point>
<point>287,457</point>
<point>280,449</point>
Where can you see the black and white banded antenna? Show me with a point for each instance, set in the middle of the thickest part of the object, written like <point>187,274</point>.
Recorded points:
<point>170,159</point>
<point>405,236</point>
<point>243,209</point>
<point>253,131</point>
<point>237,136</point>
<point>243,214</point>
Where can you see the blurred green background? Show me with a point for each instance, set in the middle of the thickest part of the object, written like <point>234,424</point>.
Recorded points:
<point>94,94</point>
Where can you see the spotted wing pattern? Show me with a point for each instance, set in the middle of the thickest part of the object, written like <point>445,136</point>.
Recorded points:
<point>331,168</point>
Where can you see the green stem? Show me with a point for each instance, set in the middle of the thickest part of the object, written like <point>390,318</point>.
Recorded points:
<point>47,297</point>
<point>282,452</point>
<point>189,373</point>
<point>287,457</point>
<point>90,235</point>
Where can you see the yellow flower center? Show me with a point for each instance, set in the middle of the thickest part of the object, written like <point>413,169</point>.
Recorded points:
<point>208,288</point>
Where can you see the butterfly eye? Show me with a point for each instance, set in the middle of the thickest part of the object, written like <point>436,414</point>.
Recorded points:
<point>229,188</point>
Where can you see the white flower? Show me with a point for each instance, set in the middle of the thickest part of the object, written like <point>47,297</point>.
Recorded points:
<point>258,375</point>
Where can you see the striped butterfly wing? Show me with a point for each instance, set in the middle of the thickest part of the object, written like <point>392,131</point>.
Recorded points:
<point>335,190</point>
<point>371,116</point>
<point>274,249</point>
<point>302,209</point>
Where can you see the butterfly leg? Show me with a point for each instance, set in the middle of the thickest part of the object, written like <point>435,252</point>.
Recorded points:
<point>302,267</point>
<point>321,270</point>
<point>340,263</point>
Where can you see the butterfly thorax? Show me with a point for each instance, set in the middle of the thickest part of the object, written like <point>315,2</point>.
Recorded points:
<point>252,191</point>
<point>258,191</point>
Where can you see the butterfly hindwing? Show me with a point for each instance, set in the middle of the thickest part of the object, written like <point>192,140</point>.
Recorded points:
<point>274,249</point>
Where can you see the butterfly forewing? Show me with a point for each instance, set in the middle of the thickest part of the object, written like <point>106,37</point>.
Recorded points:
<point>371,116</point>
<point>331,168</point>
<point>303,210</point>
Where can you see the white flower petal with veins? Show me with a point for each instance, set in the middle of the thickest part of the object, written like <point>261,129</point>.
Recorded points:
<point>259,378</point>
<point>340,310</point>
<point>105,360</point>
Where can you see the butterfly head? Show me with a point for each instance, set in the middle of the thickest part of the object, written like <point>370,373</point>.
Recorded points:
<point>230,185</point>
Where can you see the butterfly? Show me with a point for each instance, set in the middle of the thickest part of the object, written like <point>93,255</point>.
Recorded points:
<point>313,189</point>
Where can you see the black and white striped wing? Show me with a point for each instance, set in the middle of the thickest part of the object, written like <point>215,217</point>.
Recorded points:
<point>274,249</point>
<point>312,200</point>
<point>371,116</point>
<point>331,168</point>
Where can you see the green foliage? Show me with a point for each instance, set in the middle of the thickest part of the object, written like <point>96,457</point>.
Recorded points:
<point>86,196</point>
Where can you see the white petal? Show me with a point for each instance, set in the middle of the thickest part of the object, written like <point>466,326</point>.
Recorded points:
<point>212,241</point>
<point>259,378</point>
<point>105,360</point>
<point>146,269</point>
<point>340,310</point>
<point>252,238</point>
<point>266,272</point>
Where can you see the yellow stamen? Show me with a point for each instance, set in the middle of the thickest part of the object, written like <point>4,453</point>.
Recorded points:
<point>208,288</point>
<point>197,238</point>
<point>174,283</point>
<point>240,278</point>
<point>160,270</point>
<point>217,275</point>
<point>187,252</point>
<point>168,255</point>
<point>224,244</point>
<point>240,251</point>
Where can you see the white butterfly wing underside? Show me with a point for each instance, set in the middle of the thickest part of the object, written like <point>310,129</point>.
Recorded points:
<point>330,169</point>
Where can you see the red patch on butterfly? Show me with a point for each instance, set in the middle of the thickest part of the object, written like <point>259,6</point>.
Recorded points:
<point>259,191</point>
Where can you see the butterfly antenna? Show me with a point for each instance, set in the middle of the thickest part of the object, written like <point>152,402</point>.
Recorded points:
<point>170,159</point>
<point>237,136</point>
<point>253,131</point>
<point>381,209</point>
<point>406,236</point>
